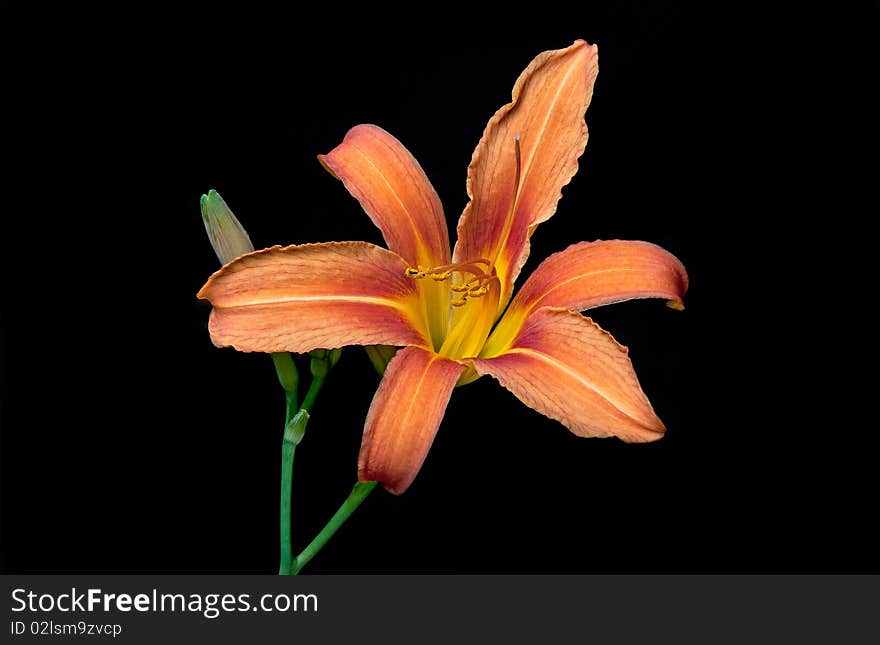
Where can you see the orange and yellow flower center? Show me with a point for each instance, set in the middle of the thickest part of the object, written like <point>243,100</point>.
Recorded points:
<point>459,331</point>
<point>463,332</point>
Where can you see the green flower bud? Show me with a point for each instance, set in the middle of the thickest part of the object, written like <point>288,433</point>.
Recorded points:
<point>320,364</point>
<point>296,428</point>
<point>226,233</point>
<point>380,356</point>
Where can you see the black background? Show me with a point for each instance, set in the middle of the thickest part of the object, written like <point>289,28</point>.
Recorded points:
<point>744,143</point>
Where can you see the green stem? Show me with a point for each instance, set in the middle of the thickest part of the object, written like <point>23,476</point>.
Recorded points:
<point>322,361</point>
<point>312,393</point>
<point>288,376</point>
<point>358,494</point>
<point>293,434</point>
<point>287,452</point>
<point>294,429</point>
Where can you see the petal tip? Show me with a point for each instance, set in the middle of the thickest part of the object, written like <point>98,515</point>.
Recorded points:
<point>325,164</point>
<point>591,50</point>
<point>648,430</point>
<point>678,305</point>
<point>652,434</point>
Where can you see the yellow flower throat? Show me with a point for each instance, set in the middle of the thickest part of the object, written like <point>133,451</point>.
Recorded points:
<point>462,332</point>
<point>466,328</point>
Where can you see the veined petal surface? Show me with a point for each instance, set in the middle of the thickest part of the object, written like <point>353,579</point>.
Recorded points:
<point>568,368</point>
<point>547,116</point>
<point>394,191</point>
<point>300,298</point>
<point>404,417</point>
<point>591,274</point>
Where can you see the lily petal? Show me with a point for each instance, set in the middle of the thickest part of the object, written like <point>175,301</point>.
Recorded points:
<point>404,417</point>
<point>568,368</point>
<point>547,114</point>
<point>394,191</point>
<point>300,298</point>
<point>591,274</point>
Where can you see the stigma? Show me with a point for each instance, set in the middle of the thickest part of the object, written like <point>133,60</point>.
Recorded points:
<point>476,286</point>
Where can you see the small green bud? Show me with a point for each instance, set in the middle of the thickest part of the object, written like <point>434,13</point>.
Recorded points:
<point>335,355</point>
<point>226,233</point>
<point>320,364</point>
<point>296,427</point>
<point>286,370</point>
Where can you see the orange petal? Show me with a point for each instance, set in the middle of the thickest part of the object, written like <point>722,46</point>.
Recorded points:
<point>404,417</point>
<point>568,368</point>
<point>394,191</point>
<point>590,274</point>
<point>547,112</point>
<point>299,298</point>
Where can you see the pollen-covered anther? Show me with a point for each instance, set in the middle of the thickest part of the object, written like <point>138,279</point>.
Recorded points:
<point>417,273</point>
<point>475,288</point>
<point>445,271</point>
<point>480,271</point>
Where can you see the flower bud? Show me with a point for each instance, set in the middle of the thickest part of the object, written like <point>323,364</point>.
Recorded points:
<point>380,356</point>
<point>320,363</point>
<point>296,427</point>
<point>226,233</point>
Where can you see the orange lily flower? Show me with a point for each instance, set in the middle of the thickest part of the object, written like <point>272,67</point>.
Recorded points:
<point>443,307</point>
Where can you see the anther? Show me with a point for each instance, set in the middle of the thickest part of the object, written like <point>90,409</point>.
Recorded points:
<point>475,287</point>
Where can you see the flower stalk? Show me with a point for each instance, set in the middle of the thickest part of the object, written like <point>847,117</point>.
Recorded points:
<point>293,434</point>
<point>322,361</point>
<point>229,239</point>
<point>359,493</point>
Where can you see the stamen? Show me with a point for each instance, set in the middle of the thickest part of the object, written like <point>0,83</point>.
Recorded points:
<point>445,271</point>
<point>477,286</point>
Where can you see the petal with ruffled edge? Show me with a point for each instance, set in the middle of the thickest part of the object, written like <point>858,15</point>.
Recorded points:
<point>299,298</point>
<point>591,274</point>
<point>394,191</point>
<point>404,417</point>
<point>568,368</point>
<point>547,113</point>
